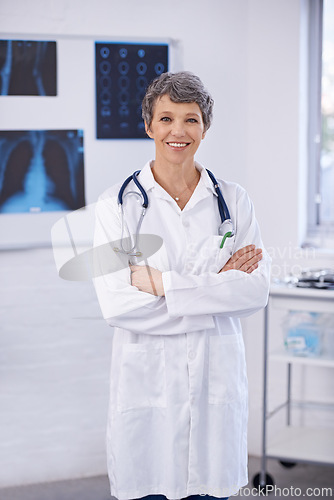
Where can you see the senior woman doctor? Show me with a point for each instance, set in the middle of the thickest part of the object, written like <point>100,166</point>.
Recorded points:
<point>177,421</point>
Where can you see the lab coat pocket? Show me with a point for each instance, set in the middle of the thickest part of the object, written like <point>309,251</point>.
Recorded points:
<point>227,369</point>
<point>226,252</point>
<point>142,382</point>
<point>216,256</point>
<point>207,256</point>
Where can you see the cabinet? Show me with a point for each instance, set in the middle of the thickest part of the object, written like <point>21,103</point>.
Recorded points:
<point>293,444</point>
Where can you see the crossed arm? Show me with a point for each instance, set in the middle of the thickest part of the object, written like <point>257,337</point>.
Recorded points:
<point>148,279</point>
<point>148,301</point>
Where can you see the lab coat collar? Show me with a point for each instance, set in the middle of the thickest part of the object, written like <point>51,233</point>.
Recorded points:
<point>146,178</point>
<point>148,182</point>
<point>205,178</point>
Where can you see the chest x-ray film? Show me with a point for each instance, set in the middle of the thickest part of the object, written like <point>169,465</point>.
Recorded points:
<point>123,72</point>
<point>41,171</point>
<point>28,68</point>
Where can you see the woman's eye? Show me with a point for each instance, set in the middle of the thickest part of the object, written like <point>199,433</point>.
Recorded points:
<point>165,119</point>
<point>192,120</point>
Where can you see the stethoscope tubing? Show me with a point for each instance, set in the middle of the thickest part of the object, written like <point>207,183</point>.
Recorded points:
<point>223,210</point>
<point>133,178</point>
<point>222,206</point>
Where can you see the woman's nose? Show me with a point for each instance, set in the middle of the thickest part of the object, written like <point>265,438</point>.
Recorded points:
<point>178,129</point>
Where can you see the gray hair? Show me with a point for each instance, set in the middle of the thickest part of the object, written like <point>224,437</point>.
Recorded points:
<point>180,87</point>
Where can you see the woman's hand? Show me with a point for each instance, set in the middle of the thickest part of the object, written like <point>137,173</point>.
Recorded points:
<point>246,259</point>
<point>147,279</point>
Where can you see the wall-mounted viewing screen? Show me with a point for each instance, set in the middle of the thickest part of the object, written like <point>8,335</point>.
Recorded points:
<point>56,90</point>
<point>41,170</point>
<point>123,72</point>
<point>28,68</point>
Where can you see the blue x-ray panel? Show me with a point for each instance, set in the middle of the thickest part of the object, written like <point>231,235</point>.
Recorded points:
<point>41,170</point>
<point>28,68</point>
<point>123,72</point>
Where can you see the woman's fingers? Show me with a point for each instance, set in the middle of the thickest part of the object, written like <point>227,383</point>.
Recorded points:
<point>246,256</point>
<point>246,259</point>
<point>252,268</point>
<point>147,279</point>
<point>253,258</point>
<point>242,253</point>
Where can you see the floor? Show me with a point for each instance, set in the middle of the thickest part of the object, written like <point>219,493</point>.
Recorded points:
<point>290,483</point>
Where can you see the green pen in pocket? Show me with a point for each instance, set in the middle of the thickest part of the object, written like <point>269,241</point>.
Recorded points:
<point>226,235</point>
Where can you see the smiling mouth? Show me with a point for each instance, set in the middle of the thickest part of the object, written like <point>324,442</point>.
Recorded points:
<point>178,144</point>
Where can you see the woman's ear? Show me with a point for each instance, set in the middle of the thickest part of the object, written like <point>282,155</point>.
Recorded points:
<point>148,131</point>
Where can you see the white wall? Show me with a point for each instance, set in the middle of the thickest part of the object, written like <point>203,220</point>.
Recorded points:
<point>54,361</point>
<point>207,50</point>
<point>55,351</point>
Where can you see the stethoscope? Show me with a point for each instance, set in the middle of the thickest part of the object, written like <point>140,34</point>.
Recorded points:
<point>225,229</point>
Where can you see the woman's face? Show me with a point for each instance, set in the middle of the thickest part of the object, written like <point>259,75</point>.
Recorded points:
<point>177,130</point>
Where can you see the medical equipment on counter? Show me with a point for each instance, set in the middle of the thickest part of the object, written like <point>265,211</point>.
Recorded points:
<point>316,278</point>
<point>226,228</point>
<point>312,278</point>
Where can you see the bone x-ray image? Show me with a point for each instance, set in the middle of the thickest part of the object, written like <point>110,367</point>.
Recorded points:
<point>123,72</point>
<point>41,171</point>
<point>28,68</point>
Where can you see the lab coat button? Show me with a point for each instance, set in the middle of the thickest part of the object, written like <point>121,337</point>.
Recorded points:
<point>191,355</point>
<point>185,222</point>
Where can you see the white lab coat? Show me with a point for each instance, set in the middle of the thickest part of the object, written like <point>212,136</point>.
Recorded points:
<point>177,421</point>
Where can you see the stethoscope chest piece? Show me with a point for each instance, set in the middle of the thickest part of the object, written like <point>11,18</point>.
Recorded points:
<point>226,230</point>
<point>226,227</point>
